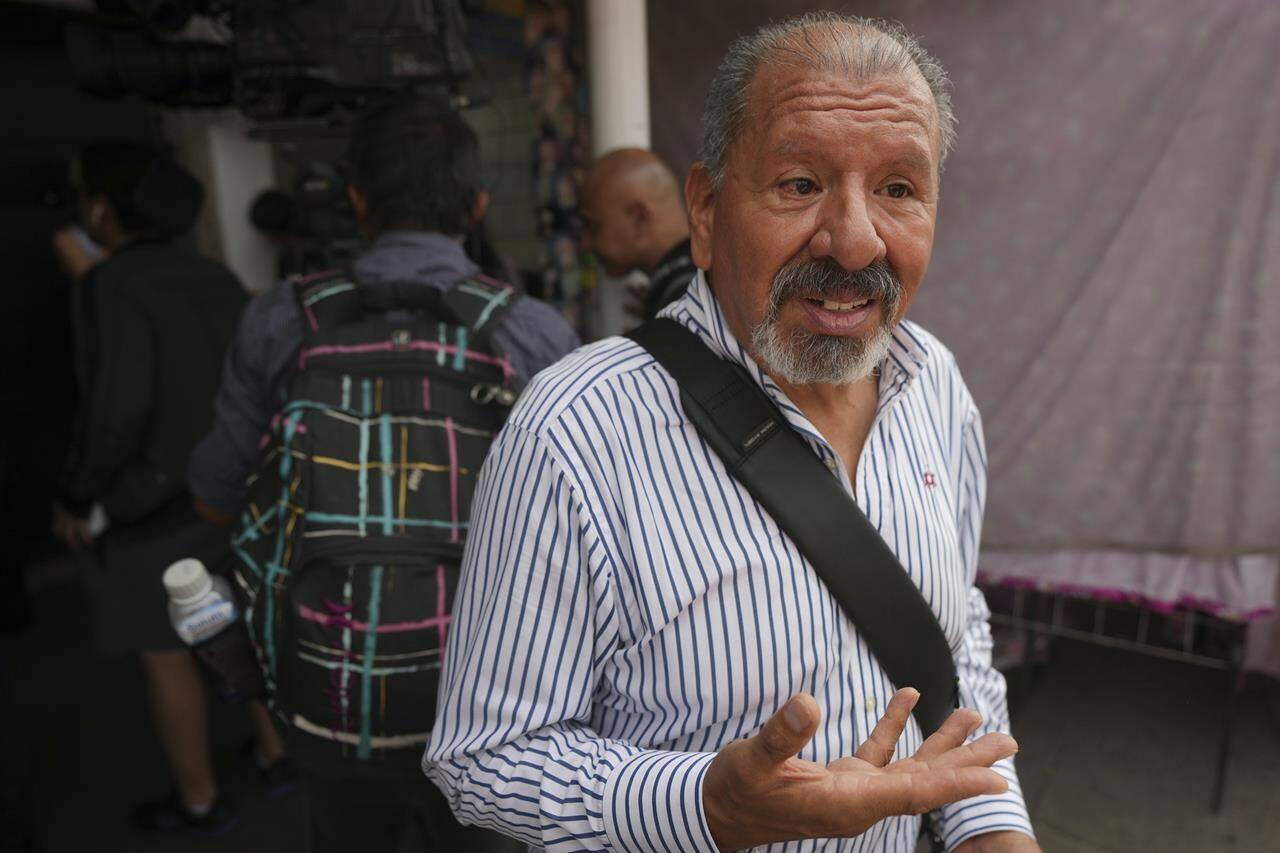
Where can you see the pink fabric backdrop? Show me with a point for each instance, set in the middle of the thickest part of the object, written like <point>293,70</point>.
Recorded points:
<point>1107,270</point>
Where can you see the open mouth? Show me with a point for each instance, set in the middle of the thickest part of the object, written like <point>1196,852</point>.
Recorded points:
<point>833,305</point>
<point>847,314</point>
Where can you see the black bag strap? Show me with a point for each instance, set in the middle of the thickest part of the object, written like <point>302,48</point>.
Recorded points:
<point>775,465</point>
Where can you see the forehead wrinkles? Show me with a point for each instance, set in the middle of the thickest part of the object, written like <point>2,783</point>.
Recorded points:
<point>900,101</point>
<point>828,95</point>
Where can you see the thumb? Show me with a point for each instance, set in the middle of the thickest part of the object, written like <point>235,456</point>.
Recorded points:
<point>788,730</point>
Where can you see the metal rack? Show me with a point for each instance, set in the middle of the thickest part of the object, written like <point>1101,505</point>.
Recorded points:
<point>1185,635</point>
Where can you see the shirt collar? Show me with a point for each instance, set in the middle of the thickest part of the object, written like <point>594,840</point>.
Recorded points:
<point>421,256</point>
<point>699,311</point>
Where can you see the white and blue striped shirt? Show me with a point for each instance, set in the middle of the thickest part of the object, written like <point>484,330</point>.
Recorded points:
<point>627,608</point>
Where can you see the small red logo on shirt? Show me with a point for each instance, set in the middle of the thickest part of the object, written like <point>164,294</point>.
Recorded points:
<point>929,480</point>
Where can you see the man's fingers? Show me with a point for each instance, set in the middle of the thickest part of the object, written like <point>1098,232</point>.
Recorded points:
<point>954,731</point>
<point>983,752</point>
<point>916,793</point>
<point>931,789</point>
<point>787,731</point>
<point>878,748</point>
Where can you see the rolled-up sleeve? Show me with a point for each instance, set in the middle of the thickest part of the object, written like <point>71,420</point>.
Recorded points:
<point>512,747</point>
<point>981,686</point>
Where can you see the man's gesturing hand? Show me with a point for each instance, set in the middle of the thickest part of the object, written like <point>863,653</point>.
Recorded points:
<point>757,792</point>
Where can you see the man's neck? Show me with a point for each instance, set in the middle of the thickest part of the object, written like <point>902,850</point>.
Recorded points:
<point>843,414</point>
<point>374,236</point>
<point>674,236</point>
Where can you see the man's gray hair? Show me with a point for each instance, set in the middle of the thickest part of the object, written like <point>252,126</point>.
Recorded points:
<point>860,48</point>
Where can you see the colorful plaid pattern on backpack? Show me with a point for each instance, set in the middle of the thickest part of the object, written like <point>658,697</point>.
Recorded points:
<point>349,545</point>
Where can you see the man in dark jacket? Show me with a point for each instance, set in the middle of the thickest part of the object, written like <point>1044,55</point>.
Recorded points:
<point>152,323</point>
<point>415,186</point>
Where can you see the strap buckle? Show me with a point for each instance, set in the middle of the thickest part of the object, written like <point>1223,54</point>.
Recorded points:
<point>484,394</point>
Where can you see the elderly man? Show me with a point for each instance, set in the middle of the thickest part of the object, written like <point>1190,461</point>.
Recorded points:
<point>642,659</point>
<point>634,219</point>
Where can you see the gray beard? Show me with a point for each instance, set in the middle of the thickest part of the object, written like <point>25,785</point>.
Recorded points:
<point>805,358</point>
<point>809,359</point>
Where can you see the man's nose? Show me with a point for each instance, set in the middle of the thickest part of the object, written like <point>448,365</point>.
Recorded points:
<point>846,232</point>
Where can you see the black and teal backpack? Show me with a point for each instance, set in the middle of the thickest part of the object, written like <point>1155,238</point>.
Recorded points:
<point>348,549</point>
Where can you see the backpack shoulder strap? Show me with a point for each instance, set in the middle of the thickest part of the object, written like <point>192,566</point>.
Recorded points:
<point>327,299</point>
<point>336,297</point>
<point>480,304</point>
<point>772,461</point>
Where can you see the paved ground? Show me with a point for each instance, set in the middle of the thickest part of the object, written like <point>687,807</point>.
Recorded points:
<point>1117,752</point>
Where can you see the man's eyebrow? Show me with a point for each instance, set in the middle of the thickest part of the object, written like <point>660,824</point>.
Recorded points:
<point>912,161</point>
<point>788,146</point>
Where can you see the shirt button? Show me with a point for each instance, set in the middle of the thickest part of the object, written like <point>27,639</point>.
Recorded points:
<point>870,704</point>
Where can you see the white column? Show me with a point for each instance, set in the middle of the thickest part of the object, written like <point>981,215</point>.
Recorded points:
<point>618,60</point>
<point>242,168</point>
<point>215,146</point>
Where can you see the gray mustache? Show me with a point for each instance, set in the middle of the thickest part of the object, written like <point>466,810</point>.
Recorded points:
<point>820,278</point>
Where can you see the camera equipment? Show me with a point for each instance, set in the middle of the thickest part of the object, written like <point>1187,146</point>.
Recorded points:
<point>277,61</point>
<point>299,70</point>
<point>314,225</point>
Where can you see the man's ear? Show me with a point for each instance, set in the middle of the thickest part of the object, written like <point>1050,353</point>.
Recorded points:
<point>700,201</point>
<point>639,218</point>
<point>359,204</point>
<point>479,207</point>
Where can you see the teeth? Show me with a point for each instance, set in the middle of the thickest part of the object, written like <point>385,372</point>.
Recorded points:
<point>843,306</point>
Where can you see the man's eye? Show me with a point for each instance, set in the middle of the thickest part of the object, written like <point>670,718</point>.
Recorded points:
<point>801,186</point>
<point>897,190</point>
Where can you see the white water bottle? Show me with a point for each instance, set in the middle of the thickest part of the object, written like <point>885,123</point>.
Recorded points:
<point>200,605</point>
<point>205,617</point>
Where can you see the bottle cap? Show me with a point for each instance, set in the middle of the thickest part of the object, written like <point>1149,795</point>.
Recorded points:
<point>186,581</point>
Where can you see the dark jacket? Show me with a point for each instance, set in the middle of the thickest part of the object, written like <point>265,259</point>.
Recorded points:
<point>670,279</point>
<point>156,322</point>
<point>261,360</point>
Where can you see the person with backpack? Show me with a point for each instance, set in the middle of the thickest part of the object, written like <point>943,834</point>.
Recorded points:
<point>358,406</point>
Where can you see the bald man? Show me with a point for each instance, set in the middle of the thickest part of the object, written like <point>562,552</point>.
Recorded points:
<point>633,212</point>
